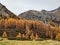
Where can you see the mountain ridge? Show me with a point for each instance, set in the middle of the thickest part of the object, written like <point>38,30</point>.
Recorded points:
<point>5,13</point>
<point>43,15</point>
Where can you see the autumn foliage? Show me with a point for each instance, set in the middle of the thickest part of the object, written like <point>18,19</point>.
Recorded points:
<point>19,35</point>
<point>29,29</point>
<point>4,35</point>
<point>32,36</point>
<point>58,36</point>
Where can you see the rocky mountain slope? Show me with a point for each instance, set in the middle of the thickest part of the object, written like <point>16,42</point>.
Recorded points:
<point>45,16</point>
<point>5,13</point>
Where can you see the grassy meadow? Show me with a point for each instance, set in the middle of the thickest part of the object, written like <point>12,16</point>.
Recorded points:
<point>18,42</point>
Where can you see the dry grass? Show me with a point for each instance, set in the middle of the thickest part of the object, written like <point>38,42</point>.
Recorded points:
<point>18,42</point>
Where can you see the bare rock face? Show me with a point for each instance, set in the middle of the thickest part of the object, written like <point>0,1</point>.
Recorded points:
<point>5,13</point>
<point>45,16</point>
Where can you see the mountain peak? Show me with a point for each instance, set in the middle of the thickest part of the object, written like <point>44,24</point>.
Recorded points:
<point>5,13</point>
<point>43,10</point>
<point>32,11</point>
<point>0,4</point>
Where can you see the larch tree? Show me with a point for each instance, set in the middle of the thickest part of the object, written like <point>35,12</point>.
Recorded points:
<point>23,36</point>
<point>36,37</point>
<point>32,36</point>
<point>19,35</point>
<point>10,23</point>
<point>58,36</point>
<point>27,31</point>
<point>2,22</point>
<point>4,35</point>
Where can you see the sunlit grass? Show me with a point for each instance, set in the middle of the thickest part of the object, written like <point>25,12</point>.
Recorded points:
<point>18,42</point>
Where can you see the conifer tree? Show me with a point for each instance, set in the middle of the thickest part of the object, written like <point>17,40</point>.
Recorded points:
<point>19,35</point>
<point>32,36</point>
<point>23,36</point>
<point>58,36</point>
<point>37,37</point>
<point>4,35</point>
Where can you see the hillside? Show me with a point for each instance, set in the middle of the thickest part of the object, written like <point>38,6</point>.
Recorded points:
<point>45,16</point>
<point>5,13</point>
<point>31,24</point>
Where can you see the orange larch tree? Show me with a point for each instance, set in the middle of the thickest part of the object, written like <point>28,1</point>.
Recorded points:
<point>4,35</point>
<point>58,36</point>
<point>32,36</point>
<point>23,36</point>
<point>19,35</point>
<point>36,37</point>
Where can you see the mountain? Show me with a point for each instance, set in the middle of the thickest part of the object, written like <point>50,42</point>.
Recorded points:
<point>45,16</point>
<point>5,13</point>
<point>38,15</point>
<point>56,11</point>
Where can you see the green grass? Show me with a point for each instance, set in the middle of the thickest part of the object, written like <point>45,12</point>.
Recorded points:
<point>18,42</point>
